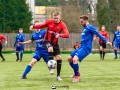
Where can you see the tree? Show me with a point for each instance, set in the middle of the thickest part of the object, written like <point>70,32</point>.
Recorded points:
<point>14,14</point>
<point>108,13</point>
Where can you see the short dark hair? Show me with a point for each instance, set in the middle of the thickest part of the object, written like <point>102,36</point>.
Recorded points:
<point>85,17</point>
<point>20,28</point>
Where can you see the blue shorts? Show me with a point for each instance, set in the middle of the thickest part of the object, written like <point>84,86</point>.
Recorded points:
<point>19,48</point>
<point>81,53</point>
<point>117,45</point>
<point>41,54</point>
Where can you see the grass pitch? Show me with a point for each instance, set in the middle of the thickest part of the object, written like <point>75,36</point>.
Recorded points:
<point>96,74</point>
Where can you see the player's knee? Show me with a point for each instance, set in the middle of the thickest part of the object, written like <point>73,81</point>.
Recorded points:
<point>58,57</point>
<point>69,58</point>
<point>50,49</point>
<point>32,63</point>
<point>75,60</point>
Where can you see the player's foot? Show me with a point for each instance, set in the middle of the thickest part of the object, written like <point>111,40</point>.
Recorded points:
<point>3,60</point>
<point>115,58</point>
<point>59,78</point>
<point>76,79</point>
<point>51,71</point>
<point>20,60</point>
<point>23,77</point>
<point>72,76</point>
<point>17,60</point>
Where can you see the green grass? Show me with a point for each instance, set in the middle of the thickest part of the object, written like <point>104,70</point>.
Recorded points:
<point>95,74</point>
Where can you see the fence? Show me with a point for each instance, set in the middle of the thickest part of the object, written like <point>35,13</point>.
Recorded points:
<point>65,43</point>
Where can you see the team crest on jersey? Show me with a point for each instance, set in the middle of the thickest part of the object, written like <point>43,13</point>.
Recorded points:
<point>40,36</point>
<point>58,28</point>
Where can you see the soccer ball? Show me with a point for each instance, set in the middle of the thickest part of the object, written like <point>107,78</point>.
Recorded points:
<point>52,64</point>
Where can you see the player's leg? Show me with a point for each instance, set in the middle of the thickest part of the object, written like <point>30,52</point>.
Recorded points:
<point>49,47</point>
<point>36,57</point>
<point>57,55</point>
<point>115,50</point>
<point>79,56</point>
<point>45,56</point>
<point>28,68</point>
<point>76,68</point>
<point>50,51</point>
<point>70,60</point>
<point>17,52</point>
<point>100,50</point>
<point>51,57</point>
<point>104,50</point>
<point>21,52</point>
<point>3,59</point>
<point>59,64</point>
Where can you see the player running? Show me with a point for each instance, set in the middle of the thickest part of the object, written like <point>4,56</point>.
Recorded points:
<point>86,46</point>
<point>1,38</point>
<point>55,29</point>
<point>41,52</point>
<point>20,37</point>
<point>116,38</point>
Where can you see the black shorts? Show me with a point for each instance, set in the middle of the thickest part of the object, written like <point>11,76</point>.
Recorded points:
<point>103,45</point>
<point>0,47</point>
<point>56,49</point>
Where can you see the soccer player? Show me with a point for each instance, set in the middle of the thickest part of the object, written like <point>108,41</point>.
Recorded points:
<point>86,46</point>
<point>20,37</point>
<point>102,44</point>
<point>1,38</point>
<point>116,38</point>
<point>41,51</point>
<point>55,29</point>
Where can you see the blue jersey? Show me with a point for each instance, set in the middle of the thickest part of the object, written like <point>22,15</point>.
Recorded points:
<point>20,38</point>
<point>116,37</point>
<point>39,38</point>
<point>87,36</point>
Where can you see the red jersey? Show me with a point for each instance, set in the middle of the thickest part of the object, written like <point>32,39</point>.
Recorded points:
<point>53,29</point>
<point>1,38</point>
<point>105,34</point>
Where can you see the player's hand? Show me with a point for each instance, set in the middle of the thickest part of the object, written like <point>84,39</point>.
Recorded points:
<point>31,28</point>
<point>109,43</point>
<point>57,35</point>
<point>94,39</point>
<point>5,42</point>
<point>19,44</point>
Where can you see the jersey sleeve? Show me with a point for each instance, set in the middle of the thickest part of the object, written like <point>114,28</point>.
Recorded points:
<point>65,33</point>
<point>42,25</point>
<point>3,37</point>
<point>95,31</point>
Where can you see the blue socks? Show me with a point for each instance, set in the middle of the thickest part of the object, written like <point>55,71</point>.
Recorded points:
<point>27,70</point>
<point>115,51</point>
<point>17,55</point>
<point>71,64</point>
<point>76,69</point>
<point>21,55</point>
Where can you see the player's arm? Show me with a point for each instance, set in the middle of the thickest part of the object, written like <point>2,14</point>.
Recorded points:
<point>26,42</point>
<point>95,31</point>
<point>38,25</point>
<point>65,32</point>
